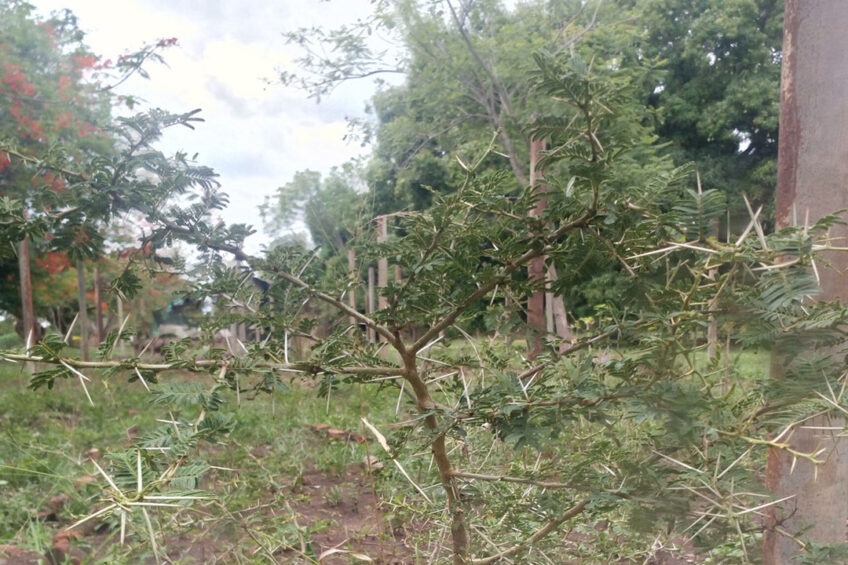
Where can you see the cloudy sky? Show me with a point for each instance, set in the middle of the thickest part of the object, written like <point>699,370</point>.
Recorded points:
<point>256,135</point>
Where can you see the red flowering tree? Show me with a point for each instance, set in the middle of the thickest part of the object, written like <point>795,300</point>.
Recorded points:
<point>54,93</point>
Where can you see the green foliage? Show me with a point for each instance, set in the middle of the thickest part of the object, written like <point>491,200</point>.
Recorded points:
<point>627,423</point>
<point>187,395</point>
<point>634,422</point>
<point>332,208</point>
<point>56,96</point>
<point>717,102</point>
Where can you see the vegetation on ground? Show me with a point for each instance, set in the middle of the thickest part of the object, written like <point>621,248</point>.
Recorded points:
<point>484,437</point>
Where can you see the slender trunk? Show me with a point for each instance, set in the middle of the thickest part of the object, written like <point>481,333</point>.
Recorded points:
<point>351,294</point>
<point>141,331</point>
<point>98,305</point>
<point>536,267</point>
<point>712,334</point>
<point>712,327</point>
<point>372,335</point>
<point>560,315</point>
<point>120,308</point>
<point>83,309</point>
<point>27,309</point>
<point>459,530</point>
<point>382,263</point>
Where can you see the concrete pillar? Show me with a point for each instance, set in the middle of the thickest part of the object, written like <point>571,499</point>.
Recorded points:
<point>813,182</point>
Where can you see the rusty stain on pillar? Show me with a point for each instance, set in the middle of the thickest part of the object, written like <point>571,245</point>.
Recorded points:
<point>812,182</point>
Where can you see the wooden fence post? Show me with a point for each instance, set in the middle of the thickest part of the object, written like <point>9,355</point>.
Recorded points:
<point>98,305</point>
<point>83,309</point>
<point>372,303</point>
<point>27,309</point>
<point>382,262</point>
<point>120,308</point>
<point>536,267</point>
<point>351,293</point>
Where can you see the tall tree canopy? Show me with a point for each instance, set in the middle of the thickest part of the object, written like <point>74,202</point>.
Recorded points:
<point>708,74</point>
<point>56,98</point>
<point>718,100</point>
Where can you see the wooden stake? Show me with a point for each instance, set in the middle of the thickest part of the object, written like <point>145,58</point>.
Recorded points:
<point>31,334</point>
<point>536,267</point>
<point>83,309</point>
<point>382,263</point>
<point>371,334</point>
<point>351,293</point>
<point>98,305</point>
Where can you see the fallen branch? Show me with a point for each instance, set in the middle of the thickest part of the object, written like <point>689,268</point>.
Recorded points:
<point>197,364</point>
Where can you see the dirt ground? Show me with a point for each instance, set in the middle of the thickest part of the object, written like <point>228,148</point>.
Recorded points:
<point>339,514</point>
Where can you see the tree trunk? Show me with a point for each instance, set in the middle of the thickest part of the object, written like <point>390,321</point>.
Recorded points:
<point>31,333</point>
<point>372,335</point>
<point>536,267</point>
<point>98,305</point>
<point>712,327</point>
<point>382,263</point>
<point>712,332</point>
<point>83,309</point>
<point>351,293</point>
<point>456,509</point>
<point>812,176</point>
<point>560,315</point>
<point>120,307</point>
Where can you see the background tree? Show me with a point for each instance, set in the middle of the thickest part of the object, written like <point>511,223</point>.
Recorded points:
<point>717,102</point>
<point>637,421</point>
<point>647,433</point>
<point>42,65</point>
<point>55,94</point>
<point>331,208</point>
<point>709,75</point>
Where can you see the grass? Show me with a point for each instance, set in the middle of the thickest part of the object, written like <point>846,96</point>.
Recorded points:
<point>45,437</point>
<point>287,486</point>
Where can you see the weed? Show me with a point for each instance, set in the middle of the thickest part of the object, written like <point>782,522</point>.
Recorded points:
<point>334,496</point>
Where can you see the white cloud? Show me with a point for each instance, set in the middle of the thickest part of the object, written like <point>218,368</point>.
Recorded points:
<point>256,135</point>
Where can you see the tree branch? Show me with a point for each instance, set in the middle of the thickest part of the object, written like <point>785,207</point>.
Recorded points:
<point>239,254</point>
<point>382,330</point>
<point>201,364</point>
<point>33,160</point>
<point>507,479</point>
<point>508,269</point>
<point>498,98</point>
<point>540,533</point>
<point>571,349</point>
